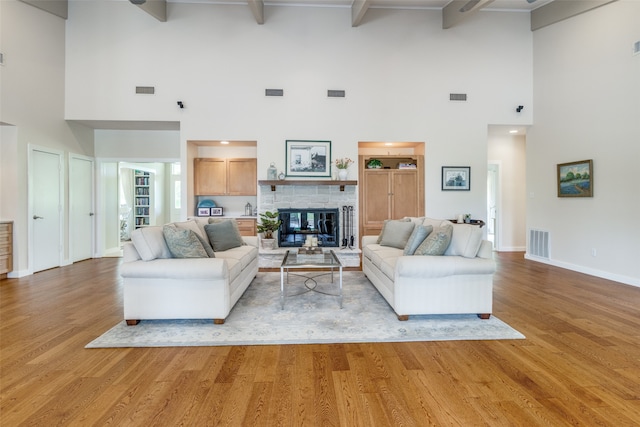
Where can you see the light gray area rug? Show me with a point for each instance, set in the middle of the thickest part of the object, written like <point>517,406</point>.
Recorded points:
<point>308,318</point>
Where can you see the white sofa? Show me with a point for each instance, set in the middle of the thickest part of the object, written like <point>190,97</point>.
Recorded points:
<point>158,286</point>
<point>460,281</point>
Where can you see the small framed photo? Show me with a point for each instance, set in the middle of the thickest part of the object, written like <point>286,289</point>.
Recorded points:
<point>216,211</point>
<point>204,211</point>
<point>575,179</point>
<point>308,158</point>
<point>456,178</point>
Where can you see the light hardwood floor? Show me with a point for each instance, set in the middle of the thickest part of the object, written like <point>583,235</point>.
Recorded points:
<point>580,363</point>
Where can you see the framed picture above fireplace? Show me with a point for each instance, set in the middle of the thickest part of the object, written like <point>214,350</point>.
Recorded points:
<point>308,158</point>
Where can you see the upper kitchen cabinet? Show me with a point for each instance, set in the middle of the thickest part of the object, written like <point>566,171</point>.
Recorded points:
<point>225,177</point>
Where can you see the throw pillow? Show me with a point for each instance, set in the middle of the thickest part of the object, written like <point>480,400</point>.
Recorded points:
<point>465,241</point>
<point>437,242</point>
<point>193,226</point>
<point>384,225</point>
<point>150,243</point>
<point>233,221</point>
<point>223,235</point>
<point>419,233</point>
<point>183,243</point>
<point>396,233</point>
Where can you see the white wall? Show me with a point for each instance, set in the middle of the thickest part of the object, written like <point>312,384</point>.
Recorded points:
<point>587,106</point>
<point>397,68</point>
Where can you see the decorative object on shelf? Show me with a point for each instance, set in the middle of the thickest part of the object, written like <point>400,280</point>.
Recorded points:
<point>457,178</point>
<point>460,219</point>
<point>204,211</point>
<point>248,209</point>
<point>575,179</point>
<point>272,172</point>
<point>374,164</point>
<point>343,164</point>
<point>308,158</point>
<point>467,218</point>
<point>281,176</point>
<point>216,212</point>
<point>269,224</point>
<point>207,203</point>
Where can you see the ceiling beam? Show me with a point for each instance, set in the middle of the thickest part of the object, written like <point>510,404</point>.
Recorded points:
<point>358,9</point>
<point>57,7</point>
<point>155,8</point>
<point>557,11</point>
<point>257,8</point>
<point>461,10</point>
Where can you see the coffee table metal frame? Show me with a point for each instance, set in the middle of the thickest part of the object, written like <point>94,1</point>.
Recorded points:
<point>329,261</point>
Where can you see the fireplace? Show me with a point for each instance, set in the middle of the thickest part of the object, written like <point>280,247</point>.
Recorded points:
<point>298,224</point>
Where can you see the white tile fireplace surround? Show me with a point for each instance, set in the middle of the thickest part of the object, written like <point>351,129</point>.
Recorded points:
<point>311,197</point>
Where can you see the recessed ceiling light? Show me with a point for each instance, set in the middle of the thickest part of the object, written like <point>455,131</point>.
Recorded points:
<point>513,131</point>
<point>388,143</point>
<point>224,142</point>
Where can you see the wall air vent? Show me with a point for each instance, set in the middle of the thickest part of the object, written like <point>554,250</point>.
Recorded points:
<point>274,92</point>
<point>539,243</point>
<point>146,90</point>
<point>636,48</point>
<point>1,58</point>
<point>336,93</point>
<point>457,97</point>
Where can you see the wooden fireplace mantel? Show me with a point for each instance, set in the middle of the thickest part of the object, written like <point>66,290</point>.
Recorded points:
<point>273,183</point>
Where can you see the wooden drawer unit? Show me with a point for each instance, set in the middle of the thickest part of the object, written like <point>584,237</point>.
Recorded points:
<point>247,226</point>
<point>6,247</point>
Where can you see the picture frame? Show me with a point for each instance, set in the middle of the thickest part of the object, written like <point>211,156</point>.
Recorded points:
<point>456,178</point>
<point>575,179</point>
<point>204,211</point>
<point>308,158</point>
<point>216,211</point>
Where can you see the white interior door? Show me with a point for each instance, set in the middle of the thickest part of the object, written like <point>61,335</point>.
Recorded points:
<point>46,202</point>
<point>81,215</point>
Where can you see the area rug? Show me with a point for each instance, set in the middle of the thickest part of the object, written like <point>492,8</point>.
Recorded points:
<point>307,318</point>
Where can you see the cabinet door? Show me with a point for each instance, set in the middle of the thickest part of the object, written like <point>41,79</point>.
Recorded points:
<point>210,177</point>
<point>404,194</point>
<point>242,177</point>
<point>377,200</point>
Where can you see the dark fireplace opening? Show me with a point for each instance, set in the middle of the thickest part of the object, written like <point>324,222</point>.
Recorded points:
<point>298,224</point>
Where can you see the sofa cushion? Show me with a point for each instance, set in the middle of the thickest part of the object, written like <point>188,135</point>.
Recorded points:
<point>223,235</point>
<point>150,243</point>
<point>419,233</point>
<point>245,254</point>
<point>436,242</point>
<point>384,225</point>
<point>183,243</point>
<point>396,233</point>
<point>465,241</point>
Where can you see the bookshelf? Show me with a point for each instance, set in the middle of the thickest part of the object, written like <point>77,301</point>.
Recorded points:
<point>142,198</point>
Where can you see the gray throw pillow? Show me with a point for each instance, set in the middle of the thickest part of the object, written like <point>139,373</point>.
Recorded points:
<point>396,233</point>
<point>183,243</point>
<point>384,225</point>
<point>419,233</point>
<point>233,221</point>
<point>436,242</point>
<point>223,235</point>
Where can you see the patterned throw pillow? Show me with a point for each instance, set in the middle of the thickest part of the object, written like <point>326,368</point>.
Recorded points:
<point>437,242</point>
<point>183,243</point>
<point>419,233</point>
<point>224,235</point>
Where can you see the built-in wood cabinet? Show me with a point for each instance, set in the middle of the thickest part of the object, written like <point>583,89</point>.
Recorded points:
<point>6,248</point>
<point>225,177</point>
<point>390,192</point>
<point>247,226</point>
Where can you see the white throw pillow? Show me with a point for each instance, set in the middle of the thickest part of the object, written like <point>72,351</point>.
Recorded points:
<point>465,241</point>
<point>150,244</point>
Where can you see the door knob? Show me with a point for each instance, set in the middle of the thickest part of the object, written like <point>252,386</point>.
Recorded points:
<point>37,217</point>
<point>91,214</point>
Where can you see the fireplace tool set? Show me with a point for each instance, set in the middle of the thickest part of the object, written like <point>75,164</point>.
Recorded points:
<point>347,227</point>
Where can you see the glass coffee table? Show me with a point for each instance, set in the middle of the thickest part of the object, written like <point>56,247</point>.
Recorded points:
<point>309,265</point>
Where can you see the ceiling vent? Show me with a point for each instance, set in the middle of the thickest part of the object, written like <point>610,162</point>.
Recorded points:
<point>336,93</point>
<point>146,90</point>
<point>274,92</point>
<point>457,97</point>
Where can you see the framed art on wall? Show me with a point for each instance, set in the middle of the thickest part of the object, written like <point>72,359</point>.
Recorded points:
<point>575,179</point>
<point>457,178</point>
<point>308,158</point>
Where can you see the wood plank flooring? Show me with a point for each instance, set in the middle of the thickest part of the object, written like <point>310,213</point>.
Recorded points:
<point>580,363</point>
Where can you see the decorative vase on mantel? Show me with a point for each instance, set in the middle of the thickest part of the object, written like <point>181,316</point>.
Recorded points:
<point>343,174</point>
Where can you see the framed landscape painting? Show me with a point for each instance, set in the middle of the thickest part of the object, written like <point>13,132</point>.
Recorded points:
<point>308,158</point>
<point>575,179</point>
<point>456,178</point>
